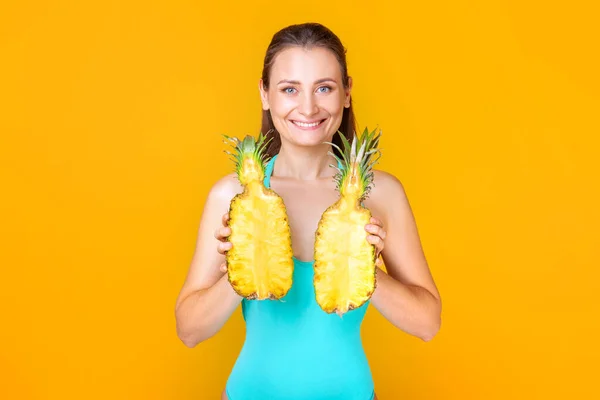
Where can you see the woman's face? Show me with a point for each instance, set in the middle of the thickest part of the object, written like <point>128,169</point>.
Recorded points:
<point>306,96</point>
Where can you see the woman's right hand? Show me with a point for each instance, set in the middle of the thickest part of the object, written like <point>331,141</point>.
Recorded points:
<point>222,233</point>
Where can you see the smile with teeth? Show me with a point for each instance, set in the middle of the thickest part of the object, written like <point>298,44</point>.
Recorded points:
<point>307,125</point>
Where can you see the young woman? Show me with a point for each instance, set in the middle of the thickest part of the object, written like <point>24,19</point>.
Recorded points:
<point>293,350</point>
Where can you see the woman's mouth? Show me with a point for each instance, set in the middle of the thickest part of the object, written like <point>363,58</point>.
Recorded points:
<point>308,125</point>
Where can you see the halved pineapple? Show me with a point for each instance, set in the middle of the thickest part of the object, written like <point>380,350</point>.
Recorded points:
<point>260,263</point>
<point>344,268</point>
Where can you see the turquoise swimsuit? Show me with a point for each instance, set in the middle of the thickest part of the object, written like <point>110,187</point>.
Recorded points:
<point>295,351</point>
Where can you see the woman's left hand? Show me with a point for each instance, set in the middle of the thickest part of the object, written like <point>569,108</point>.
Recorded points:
<point>376,237</point>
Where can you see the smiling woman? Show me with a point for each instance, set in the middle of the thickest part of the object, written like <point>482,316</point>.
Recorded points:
<point>312,102</point>
<point>293,349</point>
<point>307,89</point>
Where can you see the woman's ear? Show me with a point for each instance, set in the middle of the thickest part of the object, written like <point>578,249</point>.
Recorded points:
<point>348,90</point>
<point>264,95</point>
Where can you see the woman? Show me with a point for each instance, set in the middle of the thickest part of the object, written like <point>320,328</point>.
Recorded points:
<point>293,350</point>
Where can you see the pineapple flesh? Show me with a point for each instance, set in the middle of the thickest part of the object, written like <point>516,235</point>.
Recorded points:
<point>260,263</point>
<point>344,268</point>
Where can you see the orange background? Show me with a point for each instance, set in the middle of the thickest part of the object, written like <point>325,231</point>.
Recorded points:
<point>110,121</point>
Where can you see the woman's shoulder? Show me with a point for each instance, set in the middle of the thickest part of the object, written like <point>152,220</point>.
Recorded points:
<point>225,189</point>
<point>385,183</point>
<point>386,190</point>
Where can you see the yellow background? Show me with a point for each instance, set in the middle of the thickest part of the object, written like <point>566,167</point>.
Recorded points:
<point>110,119</point>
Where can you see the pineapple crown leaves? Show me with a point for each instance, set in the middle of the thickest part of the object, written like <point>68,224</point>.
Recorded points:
<point>249,146</point>
<point>362,153</point>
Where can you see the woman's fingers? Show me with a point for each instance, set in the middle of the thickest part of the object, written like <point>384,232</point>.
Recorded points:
<point>375,240</point>
<point>223,267</point>
<point>376,221</point>
<point>376,230</point>
<point>225,219</point>
<point>223,247</point>
<point>377,234</point>
<point>222,233</point>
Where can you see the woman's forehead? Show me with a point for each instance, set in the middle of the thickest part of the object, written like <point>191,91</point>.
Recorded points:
<point>305,65</point>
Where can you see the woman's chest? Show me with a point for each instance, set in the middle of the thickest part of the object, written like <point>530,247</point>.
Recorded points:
<point>305,203</point>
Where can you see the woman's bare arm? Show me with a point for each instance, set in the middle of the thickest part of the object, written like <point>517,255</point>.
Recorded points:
<point>407,295</point>
<point>207,300</point>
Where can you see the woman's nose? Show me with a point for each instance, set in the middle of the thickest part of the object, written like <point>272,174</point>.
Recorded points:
<point>308,105</point>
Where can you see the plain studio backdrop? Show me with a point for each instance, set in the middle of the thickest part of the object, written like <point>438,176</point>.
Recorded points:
<point>111,118</point>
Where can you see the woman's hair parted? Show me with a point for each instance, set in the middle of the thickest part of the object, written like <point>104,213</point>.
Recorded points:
<point>306,36</point>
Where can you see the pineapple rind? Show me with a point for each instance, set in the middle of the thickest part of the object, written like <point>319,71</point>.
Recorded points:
<point>344,268</point>
<point>260,264</point>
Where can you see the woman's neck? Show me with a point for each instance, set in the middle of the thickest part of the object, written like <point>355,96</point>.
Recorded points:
<point>305,163</point>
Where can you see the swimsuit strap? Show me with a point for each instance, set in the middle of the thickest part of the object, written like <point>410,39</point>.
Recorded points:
<point>269,171</point>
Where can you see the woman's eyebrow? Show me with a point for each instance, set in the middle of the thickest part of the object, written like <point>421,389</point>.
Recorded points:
<point>298,82</point>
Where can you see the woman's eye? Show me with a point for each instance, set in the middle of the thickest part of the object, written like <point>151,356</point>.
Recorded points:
<point>289,90</point>
<point>327,89</point>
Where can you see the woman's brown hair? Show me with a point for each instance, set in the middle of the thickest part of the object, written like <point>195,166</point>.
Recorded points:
<point>306,35</point>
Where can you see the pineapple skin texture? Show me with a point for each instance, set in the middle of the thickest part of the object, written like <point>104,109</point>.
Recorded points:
<point>344,268</point>
<point>260,263</point>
